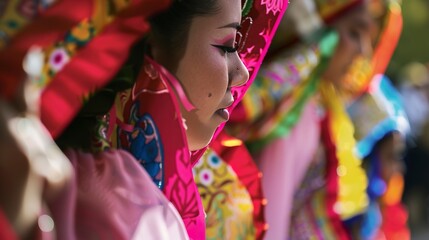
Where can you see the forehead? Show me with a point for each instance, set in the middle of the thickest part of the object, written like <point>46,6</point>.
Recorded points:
<point>360,16</point>
<point>229,11</point>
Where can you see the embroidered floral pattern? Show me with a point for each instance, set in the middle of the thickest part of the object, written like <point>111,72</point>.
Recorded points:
<point>82,33</point>
<point>206,177</point>
<point>58,59</point>
<point>214,161</point>
<point>14,15</point>
<point>99,141</point>
<point>274,6</point>
<point>61,53</point>
<point>226,201</point>
<point>178,192</point>
<point>146,146</point>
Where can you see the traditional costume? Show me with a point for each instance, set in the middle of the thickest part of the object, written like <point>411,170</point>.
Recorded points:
<point>82,54</point>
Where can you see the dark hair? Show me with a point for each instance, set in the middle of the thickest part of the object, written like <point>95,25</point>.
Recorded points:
<point>170,28</point>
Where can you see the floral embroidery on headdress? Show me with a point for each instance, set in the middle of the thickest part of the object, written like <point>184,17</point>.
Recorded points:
<point>274,6</point>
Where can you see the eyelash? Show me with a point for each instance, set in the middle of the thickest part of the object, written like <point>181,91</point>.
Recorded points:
<point>226,49</point>
<point>354,34</point>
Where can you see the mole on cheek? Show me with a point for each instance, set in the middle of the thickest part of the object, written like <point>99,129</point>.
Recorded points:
<point>210,95</point>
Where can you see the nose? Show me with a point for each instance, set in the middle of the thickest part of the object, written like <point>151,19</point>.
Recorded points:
<point>239,74</point>
<point>365,46</point>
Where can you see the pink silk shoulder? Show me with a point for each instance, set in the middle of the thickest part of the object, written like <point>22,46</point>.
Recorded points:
<point>112,197</point>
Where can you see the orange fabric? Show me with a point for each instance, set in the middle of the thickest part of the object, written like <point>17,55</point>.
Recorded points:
<point>388,40</point>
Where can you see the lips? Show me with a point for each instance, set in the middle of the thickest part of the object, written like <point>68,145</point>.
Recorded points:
<point>223,113</point>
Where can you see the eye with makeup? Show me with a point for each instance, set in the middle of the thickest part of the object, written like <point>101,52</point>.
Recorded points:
<point>231,43</point>
<point>354,34</point>
<point>227,46</point>
<point>225,49</point>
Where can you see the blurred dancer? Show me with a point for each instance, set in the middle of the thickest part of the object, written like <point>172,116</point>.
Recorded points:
<point>298,125</point>
<point>381,128</point>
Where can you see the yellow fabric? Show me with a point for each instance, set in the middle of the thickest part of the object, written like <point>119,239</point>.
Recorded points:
<point>226,201</point>
<point>120,101</point>
<point>357,79</point>
<point>329,8</point>
<point>11,21</point>
<point>352,197</point>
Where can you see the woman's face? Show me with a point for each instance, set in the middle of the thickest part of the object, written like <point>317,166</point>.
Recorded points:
<point>356,32</point>
<point>208,69</point>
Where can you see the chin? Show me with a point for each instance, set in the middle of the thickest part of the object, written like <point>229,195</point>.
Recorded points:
<point>199,142</point>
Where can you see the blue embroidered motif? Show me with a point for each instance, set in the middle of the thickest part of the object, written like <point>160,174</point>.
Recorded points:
<point>146,145</point>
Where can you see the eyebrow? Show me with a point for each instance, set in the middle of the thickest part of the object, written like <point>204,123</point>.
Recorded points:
<point>363,23</point>
<point>234,25</point>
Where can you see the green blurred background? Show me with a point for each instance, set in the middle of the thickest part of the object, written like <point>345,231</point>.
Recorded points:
<point>414,42</point>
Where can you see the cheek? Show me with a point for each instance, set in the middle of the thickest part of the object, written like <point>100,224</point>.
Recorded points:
<point>204,77</point>
<point>345,47</point>
<point>344,55</point>
<point>217,76</point>
<point>213,70</point>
